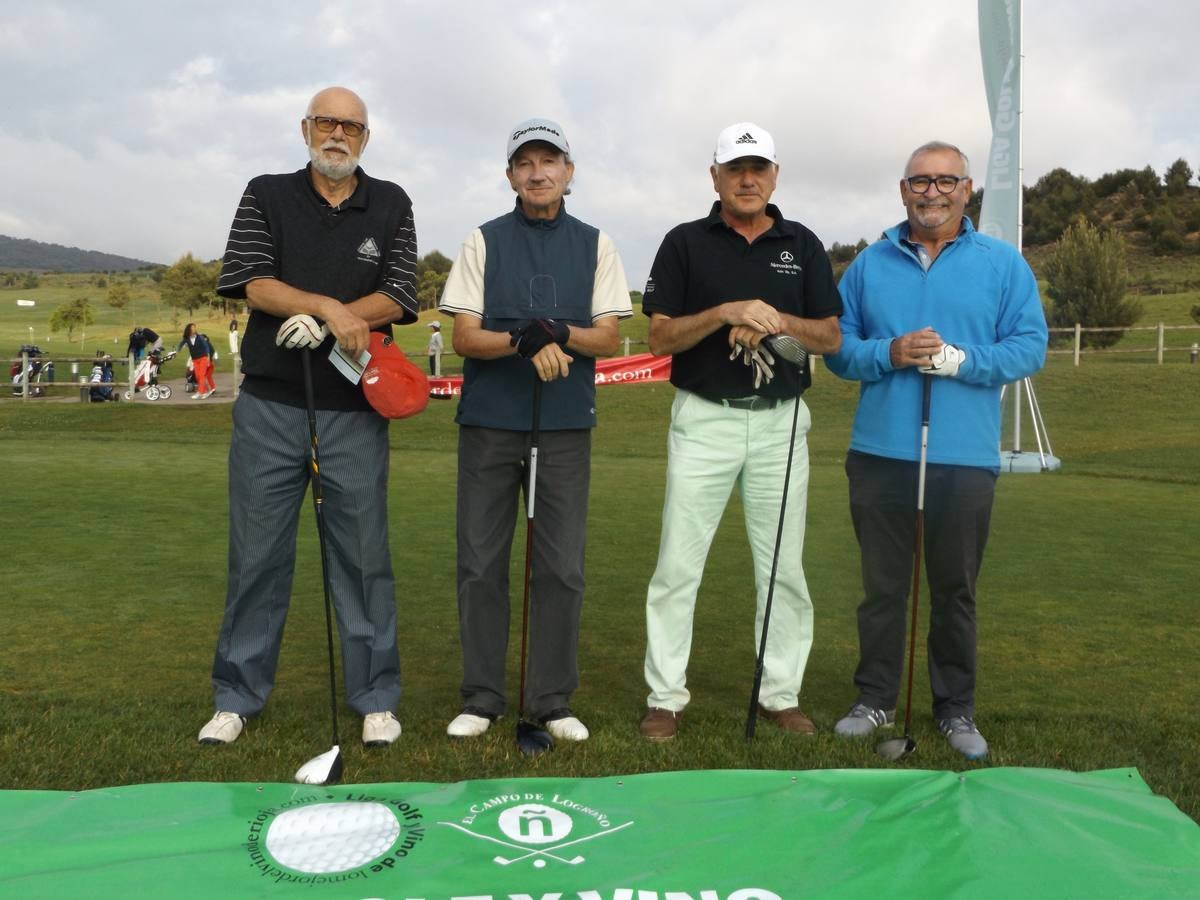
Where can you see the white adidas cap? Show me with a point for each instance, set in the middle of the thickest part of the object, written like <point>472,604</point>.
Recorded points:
<point>744,139</point>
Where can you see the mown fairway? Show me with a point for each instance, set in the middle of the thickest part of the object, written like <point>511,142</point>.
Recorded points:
<point>114,584</point>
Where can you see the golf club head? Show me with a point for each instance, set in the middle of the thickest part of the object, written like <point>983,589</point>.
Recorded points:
<point>895,749</point>
<point>533,739</point>
<point>787,347</point>
<point>323,769</point>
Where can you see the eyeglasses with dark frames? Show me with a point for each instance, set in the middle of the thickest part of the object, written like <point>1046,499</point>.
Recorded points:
<point>945,184</point>
<point>327,124</point>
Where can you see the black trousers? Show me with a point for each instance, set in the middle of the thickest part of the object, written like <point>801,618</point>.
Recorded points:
<point>958,508</point>
<point>491,472</point>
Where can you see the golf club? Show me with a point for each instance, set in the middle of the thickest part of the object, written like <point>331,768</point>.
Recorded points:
<point>898,748</point>
<point>326,768</point>
<point>790,349</point>
<point>532,739</point>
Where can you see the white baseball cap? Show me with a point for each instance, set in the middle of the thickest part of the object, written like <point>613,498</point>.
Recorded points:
<point>537,130</point>
<point>744,139</point>
<point>437,325</point>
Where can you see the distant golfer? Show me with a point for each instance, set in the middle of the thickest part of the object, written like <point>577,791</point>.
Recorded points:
<point>535,293</point>
<point>932,298</point>
<point>718,284</point>
<point>434,349</point>
<point>141,338</point>
<point>327,244</point>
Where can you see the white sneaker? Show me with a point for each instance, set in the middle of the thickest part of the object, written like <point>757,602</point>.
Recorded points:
<point>380,729</point>
<point>468,724</point>
<point>197,396</point>
<point>566,728</point>
<point>223,728</point>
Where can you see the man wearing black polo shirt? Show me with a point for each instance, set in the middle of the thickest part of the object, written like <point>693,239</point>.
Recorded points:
<point>718,284</point>
<point>325,244</point>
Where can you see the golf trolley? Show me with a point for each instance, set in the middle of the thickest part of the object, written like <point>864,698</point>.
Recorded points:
<point>145,377</point>
<point>30,367</point>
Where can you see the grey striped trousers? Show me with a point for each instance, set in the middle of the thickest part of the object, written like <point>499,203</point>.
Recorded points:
<point>268,477</point>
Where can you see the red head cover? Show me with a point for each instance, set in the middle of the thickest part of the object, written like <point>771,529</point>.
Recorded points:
<point>393,386</point>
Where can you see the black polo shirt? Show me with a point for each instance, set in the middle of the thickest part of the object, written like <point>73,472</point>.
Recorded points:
<point>705,263</point>
<point>285,229</point>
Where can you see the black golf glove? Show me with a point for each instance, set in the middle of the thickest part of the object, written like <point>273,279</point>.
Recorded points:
<point>533,336</point>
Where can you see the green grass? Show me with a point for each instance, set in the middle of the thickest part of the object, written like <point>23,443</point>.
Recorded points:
<point>114,573</point>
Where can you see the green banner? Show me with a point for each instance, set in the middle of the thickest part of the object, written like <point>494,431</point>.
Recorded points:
<point>745,835</point>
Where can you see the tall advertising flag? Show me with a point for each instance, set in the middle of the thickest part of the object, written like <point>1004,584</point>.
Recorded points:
<point>1000,48</point>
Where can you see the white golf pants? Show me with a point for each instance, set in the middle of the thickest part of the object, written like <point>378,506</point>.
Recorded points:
<point>710,449</point>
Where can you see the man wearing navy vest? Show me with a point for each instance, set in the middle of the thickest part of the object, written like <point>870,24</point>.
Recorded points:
<point>536,294</point>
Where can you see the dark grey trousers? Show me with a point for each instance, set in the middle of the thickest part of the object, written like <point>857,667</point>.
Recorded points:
<point>268,478</point>
<point>491,471</point>
<point>958,506</point>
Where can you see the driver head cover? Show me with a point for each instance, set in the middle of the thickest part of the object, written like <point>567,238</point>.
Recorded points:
<point>393,386</point>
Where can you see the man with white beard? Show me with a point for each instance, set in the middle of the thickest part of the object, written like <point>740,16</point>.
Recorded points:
<point>319,255</point>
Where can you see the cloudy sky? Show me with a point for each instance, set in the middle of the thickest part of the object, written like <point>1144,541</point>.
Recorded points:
<point>131,127</point>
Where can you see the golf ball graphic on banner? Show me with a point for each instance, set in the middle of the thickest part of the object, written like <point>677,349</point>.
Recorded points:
<point>332,837</point>
<point>324,839</point>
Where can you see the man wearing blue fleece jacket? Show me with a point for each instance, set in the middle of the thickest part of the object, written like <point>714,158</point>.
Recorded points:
<point>934,297</point>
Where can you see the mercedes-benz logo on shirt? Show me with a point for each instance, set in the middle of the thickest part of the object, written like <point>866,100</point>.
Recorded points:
<point>786,257</point>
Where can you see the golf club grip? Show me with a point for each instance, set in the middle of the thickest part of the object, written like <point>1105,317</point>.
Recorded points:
<point>926,396</point>
<point>534,437</point>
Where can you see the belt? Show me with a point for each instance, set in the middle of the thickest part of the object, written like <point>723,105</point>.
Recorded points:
<point>751,403</point>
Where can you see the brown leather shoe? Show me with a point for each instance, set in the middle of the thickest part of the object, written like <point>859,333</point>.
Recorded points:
<point>660,724</point>
<point>790,719</point>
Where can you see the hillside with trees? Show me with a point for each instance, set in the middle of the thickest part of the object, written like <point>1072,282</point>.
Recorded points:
<point>35,256</point>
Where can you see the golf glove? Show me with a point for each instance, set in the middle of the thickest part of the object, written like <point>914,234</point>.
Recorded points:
<point>945,361</point>
<point>300,332</point>
<point>760,359</point>
<point>533,336</point>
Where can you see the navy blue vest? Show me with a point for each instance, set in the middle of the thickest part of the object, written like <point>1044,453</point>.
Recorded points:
<point>534,269</point>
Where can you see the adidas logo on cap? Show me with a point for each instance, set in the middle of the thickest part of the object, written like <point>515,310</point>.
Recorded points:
<point>744,139</point>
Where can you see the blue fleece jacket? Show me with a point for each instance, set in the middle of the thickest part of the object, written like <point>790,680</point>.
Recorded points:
<point>980,296</point>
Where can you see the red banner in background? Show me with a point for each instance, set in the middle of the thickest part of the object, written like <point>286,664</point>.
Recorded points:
<point>643,367</point>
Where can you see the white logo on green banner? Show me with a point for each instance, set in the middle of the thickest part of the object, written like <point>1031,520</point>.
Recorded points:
<point>522,824</point>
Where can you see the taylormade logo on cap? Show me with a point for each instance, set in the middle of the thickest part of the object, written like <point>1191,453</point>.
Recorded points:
<point>744,139</point>
<point>538,130</point>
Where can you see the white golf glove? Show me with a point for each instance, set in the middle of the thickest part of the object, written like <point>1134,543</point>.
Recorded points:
<point>300,332</point>
<point>760,359</point>
<point>945,361</point>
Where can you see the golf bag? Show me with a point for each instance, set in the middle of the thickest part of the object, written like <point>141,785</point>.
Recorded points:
<point>101,381</point>
<point>38,372</point>
<point>145,377</point>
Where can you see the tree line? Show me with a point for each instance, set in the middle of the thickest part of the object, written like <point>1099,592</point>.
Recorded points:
<point>1088,222</point>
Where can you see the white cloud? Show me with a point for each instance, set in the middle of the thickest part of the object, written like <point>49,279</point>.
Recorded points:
<point>141,123</point>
